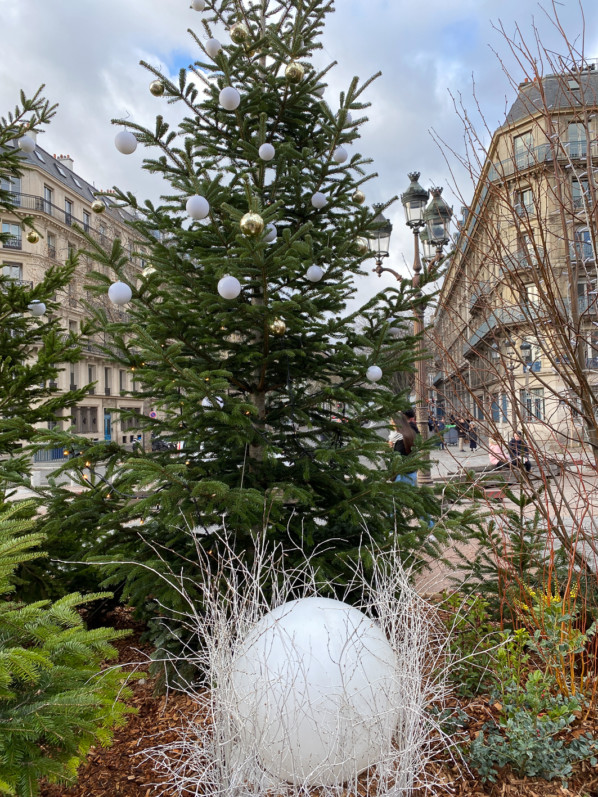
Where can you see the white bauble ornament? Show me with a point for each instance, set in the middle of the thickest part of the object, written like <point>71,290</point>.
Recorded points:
<point>198,5</point>
<point>197,207</point>
<point>36,307</point>
<point>314,273</point>
<point>271,233</point>
<point>209,404</point>
<point>348,119</point>
<point>229,287</point>
<point>319,200</point>
<point>340,155</point>
<point>125,142</point>
<point>394,332</point>
<point>314,692</point>
<point>26,144</point>
<point>320,89</point>
<point>213,47</point>
<point>119,293</point>
<point>229,98</point>
<point>374,373</point>
<point>266,152</point>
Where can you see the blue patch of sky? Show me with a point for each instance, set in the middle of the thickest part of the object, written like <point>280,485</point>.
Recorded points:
<point>176,60</point>
<point>460,37</point>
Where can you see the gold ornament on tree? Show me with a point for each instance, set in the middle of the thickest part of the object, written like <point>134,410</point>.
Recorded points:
<point>32,237</point>
<point>361,245</point>
<point>278,327</point>
<point>97,206</point>
<point>239,33</point>
<point>294,72</point>
<point>359,197</point>
<point>252,224</point>
<point>156,88</point>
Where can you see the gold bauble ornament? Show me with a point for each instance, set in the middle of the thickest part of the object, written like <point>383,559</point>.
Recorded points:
<point>278,327</point>
<point>294,72</point>
<point>32,237</point>
<point>252,224</point>
<point>239,33</point>
<point>156,88</point>
<point>359,197</point>
<point>97,206</point>
<point>361,245</point>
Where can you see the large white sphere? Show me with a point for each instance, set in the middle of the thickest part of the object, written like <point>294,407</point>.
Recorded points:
<point>266,152</point>
<point>229,98</point>
<point>209,404</point>
<point>319,200</point>
<point>119,293</point>
<point>229,287</point>
<point>271,234</point>
<point>197,207</point>
<point>314,273</point>
<point>340,155</point>
<point>198,5</point>
<point>320,89</point>
<point>314,690</point>
<point>374,373</point>
<point>213,47</point>
<point>125,142</point>
<point>26,144</point>
<point>36,307</point>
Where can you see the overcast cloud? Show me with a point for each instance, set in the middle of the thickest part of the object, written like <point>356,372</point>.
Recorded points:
<point>87,53</point>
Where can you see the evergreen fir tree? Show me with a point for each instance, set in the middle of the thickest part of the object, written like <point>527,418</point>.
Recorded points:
<point>264,412</point>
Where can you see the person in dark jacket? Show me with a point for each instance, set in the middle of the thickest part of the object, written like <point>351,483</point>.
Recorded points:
<point>473,436</point>
<point>462,432</point>
<point>518,451</point>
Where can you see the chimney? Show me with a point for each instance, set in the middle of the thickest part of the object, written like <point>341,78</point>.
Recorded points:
<point>66,160</point>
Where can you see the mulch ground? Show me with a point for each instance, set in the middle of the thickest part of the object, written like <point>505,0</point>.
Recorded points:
<point>122,771</point>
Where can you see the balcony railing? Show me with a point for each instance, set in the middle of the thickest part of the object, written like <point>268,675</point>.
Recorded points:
<point>545,153</point>
<point>12,243</point>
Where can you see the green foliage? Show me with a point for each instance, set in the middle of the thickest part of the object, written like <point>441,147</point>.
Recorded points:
<point>54,700</point>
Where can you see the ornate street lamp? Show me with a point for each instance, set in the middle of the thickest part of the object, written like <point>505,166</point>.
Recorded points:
<point>379,241</point>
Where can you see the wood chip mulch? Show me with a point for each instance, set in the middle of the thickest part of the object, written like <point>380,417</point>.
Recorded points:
<point>122,771</point>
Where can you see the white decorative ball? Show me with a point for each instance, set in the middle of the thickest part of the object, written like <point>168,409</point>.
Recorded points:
<point>36,307</point>
<point>314,686</point>
<point>119,293</point>
<point>26,144</point>
<point>314,273</point>
<point>198,5</point>
<point>229,287</point>
<point>319,200</point>
<point>229,98</point>
<point>208,404</point>
<point>266,152</point>
<point>348,118</point>
<point>197,207</point>
<point>374,373</point>
<point>213,47</point>
<point>320,89</point>
<point>340,154</point>
<point>271,233</point>
<point>125,142</point>
<point>394,332</point>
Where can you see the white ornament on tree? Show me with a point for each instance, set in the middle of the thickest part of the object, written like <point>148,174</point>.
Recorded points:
<point>119,293</point>
<point>36,307</point>
<point>315,691</point>
<point>314,273</point>
<point>26,144</point>
<point>229,287</point>
<point>340,154</point>
<point>209,404</point>
<point>213,47</point>
<point>198,5</point>
<point>394,332</point>
<point>271,233</point>
<point>320,89</point>
<point>125,142</point>
<point>319,200</point>
<point>374,373</point>
<point>229,98</point>
<point>266,152</point>
<point>197,207</point>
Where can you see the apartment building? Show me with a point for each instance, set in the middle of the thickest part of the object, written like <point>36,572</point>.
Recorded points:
<point>58,198</point>
<point>516,329</point>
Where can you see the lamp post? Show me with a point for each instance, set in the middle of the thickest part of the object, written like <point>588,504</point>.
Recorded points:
<point>526,356</point>
<point>379,241</point>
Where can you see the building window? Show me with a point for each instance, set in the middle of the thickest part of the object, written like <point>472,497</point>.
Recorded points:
<point>48,200</point>
<point>13,271</point>
<point>86,221</point>
<point>499,407</point>
<point>122,380</point>
<point>578,140</point>
<point>580,193</point>
<point>68,212</point>
<point>86,419</point>
<point>582,248</point>
<point>523,150</point>
<point>51,243</point>
<point>132,422</point>
<point>533,404</point>
<point>12,185</point>
<point>91,378</point>
<point>524,202</point>
<point>107,381</point>
<point>592,351</point>
<point>13,231</point>
<point>73,373</point>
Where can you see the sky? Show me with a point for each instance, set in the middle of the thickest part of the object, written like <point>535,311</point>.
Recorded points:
<point>87,53</point>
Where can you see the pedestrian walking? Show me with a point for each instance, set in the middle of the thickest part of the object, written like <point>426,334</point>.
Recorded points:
<point>402,438</point>
<point>473,436</point>
<point>439,429</point>
<point>518,451</point>
<point>462,432</point>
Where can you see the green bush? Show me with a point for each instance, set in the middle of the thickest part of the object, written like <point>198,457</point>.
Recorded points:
<point>55,701</point>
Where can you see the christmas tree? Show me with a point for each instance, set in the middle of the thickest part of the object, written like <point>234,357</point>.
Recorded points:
<point>267,391</point>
